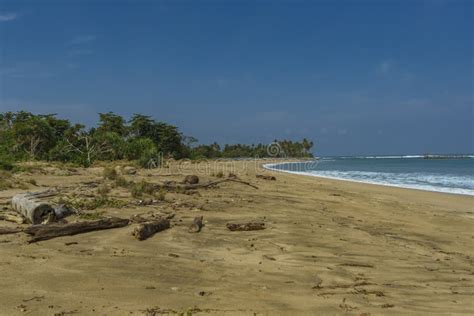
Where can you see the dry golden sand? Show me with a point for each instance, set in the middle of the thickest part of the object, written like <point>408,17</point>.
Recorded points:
<point>330,247</point>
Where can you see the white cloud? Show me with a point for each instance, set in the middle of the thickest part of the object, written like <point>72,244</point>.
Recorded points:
<point>5,17</point>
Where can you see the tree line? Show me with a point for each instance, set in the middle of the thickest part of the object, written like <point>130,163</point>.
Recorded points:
<point>26,136</point>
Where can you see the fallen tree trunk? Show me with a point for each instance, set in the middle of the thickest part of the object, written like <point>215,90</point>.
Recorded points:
<point>173,186</point>
<point>45,232</point>
<point>33,210</point>
<point>245,226</point>
<point>196,225</point>
<point>9,230</point>
<point>148,229</point>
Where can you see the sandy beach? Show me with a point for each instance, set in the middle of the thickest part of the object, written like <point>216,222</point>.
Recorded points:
<point>329,247</point>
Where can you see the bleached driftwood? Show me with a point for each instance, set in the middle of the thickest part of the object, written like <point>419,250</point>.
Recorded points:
<point>145,230</point>
<point>36,211</point>
<point>31,208</point>
<point>12,218</point>
<point>45,232</point>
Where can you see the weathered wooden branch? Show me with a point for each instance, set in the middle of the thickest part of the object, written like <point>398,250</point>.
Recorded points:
<point>45,232</point>
<point>28,205</point>
<point>9,230</point>
<point>245,226</point>
<point>148,229</point>
<point>196,225</point>
<point>174,186</point>
<point>138,218</point>
<point>12,218</point>
<point>265,177</point>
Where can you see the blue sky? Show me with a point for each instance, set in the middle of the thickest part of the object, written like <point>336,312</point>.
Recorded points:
<point>357,77</point>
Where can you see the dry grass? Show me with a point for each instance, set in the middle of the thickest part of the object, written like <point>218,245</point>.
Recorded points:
<point>103,190</point>
<point>139,189</point>
<point>109,173</point>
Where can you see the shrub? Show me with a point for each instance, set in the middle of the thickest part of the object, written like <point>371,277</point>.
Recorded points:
<point>92,204</point>
<point>220,174</point>
<point>109,173</point>
<point>121,182</point>
<point>6,165</point>
<point>135,148</point>
<point>150,159</point>
<point>103,190</point>
<point>161,195</point>
<point>5,182</point>
<point>140,188</point>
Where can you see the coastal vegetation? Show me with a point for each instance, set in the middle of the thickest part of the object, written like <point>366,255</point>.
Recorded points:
<point>27,136</point>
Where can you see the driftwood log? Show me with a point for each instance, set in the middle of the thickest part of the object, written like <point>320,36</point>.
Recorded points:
<point>45,232</point>
<point>9,230</point>
<point>191,179</point>
<point>12,218</point>
<point>245,226</point>
<point>148,229</point>
<point>265,177</point>
<point>174,186</point>
<point>32,209</point>
<point>196,225</point>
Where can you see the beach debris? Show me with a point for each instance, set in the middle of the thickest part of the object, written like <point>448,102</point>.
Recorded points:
<point>174,186</point>
<point>196,225</point>
<point>31,208</point>
<point>138,218</point>
<point>129,170</point>
<point>146,202</point>
<point>357,264</point>
<point>191,179</point>
<point>265,177</point>
<point>245,226</point>
<point>36,211</point>
<point>12,218</point>
<point>9,230</point>
<point>148,229</point>
<point>50,231</point>
<point>62,210</point>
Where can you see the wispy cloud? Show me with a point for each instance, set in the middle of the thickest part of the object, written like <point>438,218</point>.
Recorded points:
<point>5,17</point>
<point>82,39</point>
<point>384,67</point>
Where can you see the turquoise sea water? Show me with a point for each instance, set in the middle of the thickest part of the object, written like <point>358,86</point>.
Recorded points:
<point>454,175</point>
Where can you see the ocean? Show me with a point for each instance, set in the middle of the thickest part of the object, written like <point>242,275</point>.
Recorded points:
<point>450,175</point>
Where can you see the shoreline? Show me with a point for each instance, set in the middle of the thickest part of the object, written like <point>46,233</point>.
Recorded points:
<point>400,186</point>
